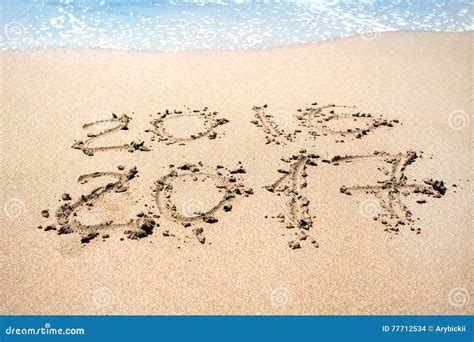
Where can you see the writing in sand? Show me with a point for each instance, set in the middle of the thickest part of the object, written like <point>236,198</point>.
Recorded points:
<point>216,189</point>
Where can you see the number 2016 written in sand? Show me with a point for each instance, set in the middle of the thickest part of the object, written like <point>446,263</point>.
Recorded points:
<point>385,203</point>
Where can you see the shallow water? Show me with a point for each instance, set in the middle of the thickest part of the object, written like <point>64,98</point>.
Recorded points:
<point>231,25</point>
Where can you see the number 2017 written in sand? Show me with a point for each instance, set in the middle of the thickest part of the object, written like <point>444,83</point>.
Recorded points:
<point>385,203</point>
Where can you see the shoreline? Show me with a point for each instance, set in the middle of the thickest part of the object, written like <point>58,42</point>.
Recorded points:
<point>379,35</point>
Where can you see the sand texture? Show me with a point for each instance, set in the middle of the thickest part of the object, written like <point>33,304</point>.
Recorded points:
<point>331,178</point>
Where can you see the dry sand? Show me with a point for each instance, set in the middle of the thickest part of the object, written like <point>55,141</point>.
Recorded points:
<point>347,263</point>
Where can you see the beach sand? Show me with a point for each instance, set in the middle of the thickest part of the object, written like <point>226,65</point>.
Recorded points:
<point>354,256</point>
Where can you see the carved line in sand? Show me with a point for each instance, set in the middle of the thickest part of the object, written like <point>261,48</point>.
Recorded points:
<point>211,121</point>
<point>266,121</point>
<point>394,213</point>
<point>65,215</point>
<point>228,181</point>
<point>291,184</point>
<point>317,120</point>
<point>122,124</point>
<point>313,120</point>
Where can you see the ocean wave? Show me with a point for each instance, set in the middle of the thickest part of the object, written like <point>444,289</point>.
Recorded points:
<point>226,25</point>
